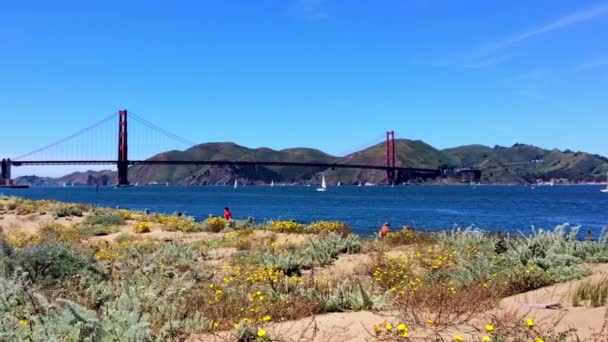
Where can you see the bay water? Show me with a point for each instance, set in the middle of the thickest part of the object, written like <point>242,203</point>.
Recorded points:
<point>489,207</point>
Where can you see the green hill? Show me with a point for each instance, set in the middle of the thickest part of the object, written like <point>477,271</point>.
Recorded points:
<point>191,174</point>
<point>408,153</point>
<point>523,163</point>
<point>519,163</point>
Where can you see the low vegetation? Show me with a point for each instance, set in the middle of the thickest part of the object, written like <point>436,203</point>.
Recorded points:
<point>592,292</point>
<point>66,282</point>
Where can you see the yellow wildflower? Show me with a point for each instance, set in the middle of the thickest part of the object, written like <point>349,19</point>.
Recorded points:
<point>489,327</point>
<point>388,327</point>
<point>538,339</point>
<point>261,333</point>
<point>486,338</point>
<point>458,338</point>
<point>529,322</point>
<point>402,327</point>
<point>266,318</point>
<point>23,322</point>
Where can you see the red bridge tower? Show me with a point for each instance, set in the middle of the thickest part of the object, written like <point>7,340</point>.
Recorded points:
<point>390,157</point>
<point>123,150</point>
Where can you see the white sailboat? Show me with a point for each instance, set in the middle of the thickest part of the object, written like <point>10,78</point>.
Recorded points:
<point>605,189</point>
<point>323,184</point>
<point>339,183</point>
<point>272,183</point>
<point>360,184</point>
<point>236,184</point>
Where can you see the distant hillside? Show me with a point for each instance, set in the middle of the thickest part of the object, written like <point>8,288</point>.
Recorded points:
<point>105,177</point>
<point>181,174</point>
<point>408,153</point>
<point>523,163</point>
<point>517,164</point>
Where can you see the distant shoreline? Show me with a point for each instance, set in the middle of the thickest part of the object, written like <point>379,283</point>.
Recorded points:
<point>332,186</point>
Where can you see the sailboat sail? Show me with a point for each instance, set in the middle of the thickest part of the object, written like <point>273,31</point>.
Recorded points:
<point>323,184</point>
<point>236,184</point>
<point>272,183</point>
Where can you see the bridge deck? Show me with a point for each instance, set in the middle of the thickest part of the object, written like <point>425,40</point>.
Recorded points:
<point>222,162</point>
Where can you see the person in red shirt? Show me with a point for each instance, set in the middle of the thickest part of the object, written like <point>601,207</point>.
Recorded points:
<point>386,228</point>
<point>227,214</point>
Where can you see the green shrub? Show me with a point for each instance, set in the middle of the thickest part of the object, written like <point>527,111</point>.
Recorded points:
<point>326,227</point>
<point>7,253</point>
<point>349,295</point>
<point>97,230</point>
<point>291,264</point>
<point>289,227</point>
<point>69,210</point>
<point>46,264</point>
<point>105,217</point>
<point>319,251</point>
<point>26,315</point>
<point>26,207</point>
<point>125,238</point>
<point>524,262</point>
<point>215,224</point>
<point>57,232</point>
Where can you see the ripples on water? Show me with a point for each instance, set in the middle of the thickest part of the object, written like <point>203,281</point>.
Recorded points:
<point>504,208</point>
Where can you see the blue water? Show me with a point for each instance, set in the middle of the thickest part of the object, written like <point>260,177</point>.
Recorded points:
<point>496,208</point>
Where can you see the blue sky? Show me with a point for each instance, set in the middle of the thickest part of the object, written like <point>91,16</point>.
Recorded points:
<point>329,74</point>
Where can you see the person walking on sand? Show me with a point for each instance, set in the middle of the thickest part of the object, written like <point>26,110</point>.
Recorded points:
<point>227,214</point>
<point>385,229</point>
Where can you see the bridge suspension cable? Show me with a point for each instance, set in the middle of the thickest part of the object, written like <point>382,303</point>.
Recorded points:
<point>68,138</point>
<point>380,138</point>
<point>161,130</point>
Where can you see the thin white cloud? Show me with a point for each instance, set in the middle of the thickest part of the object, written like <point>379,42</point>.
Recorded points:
<point>311,9</point>
<point>558,24</point>
<point>592,64</point>
<point>533,83</point>
<point>477,56</point>
<point>535,74</point>
<point>486,62</point>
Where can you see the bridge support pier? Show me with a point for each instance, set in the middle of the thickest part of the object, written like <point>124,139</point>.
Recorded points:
<point>123,150</point>
<point>123,174</point>
<point>390,157</point>
<point>5,178</point>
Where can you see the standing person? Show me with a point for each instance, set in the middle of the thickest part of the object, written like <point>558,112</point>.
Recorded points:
<point>385,229</point>
<point>227,214</point>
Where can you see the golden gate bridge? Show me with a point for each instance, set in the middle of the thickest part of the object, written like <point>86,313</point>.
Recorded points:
<point>394,174</point>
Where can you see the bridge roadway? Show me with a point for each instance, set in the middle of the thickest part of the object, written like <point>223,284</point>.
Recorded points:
<point>421,171</point>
